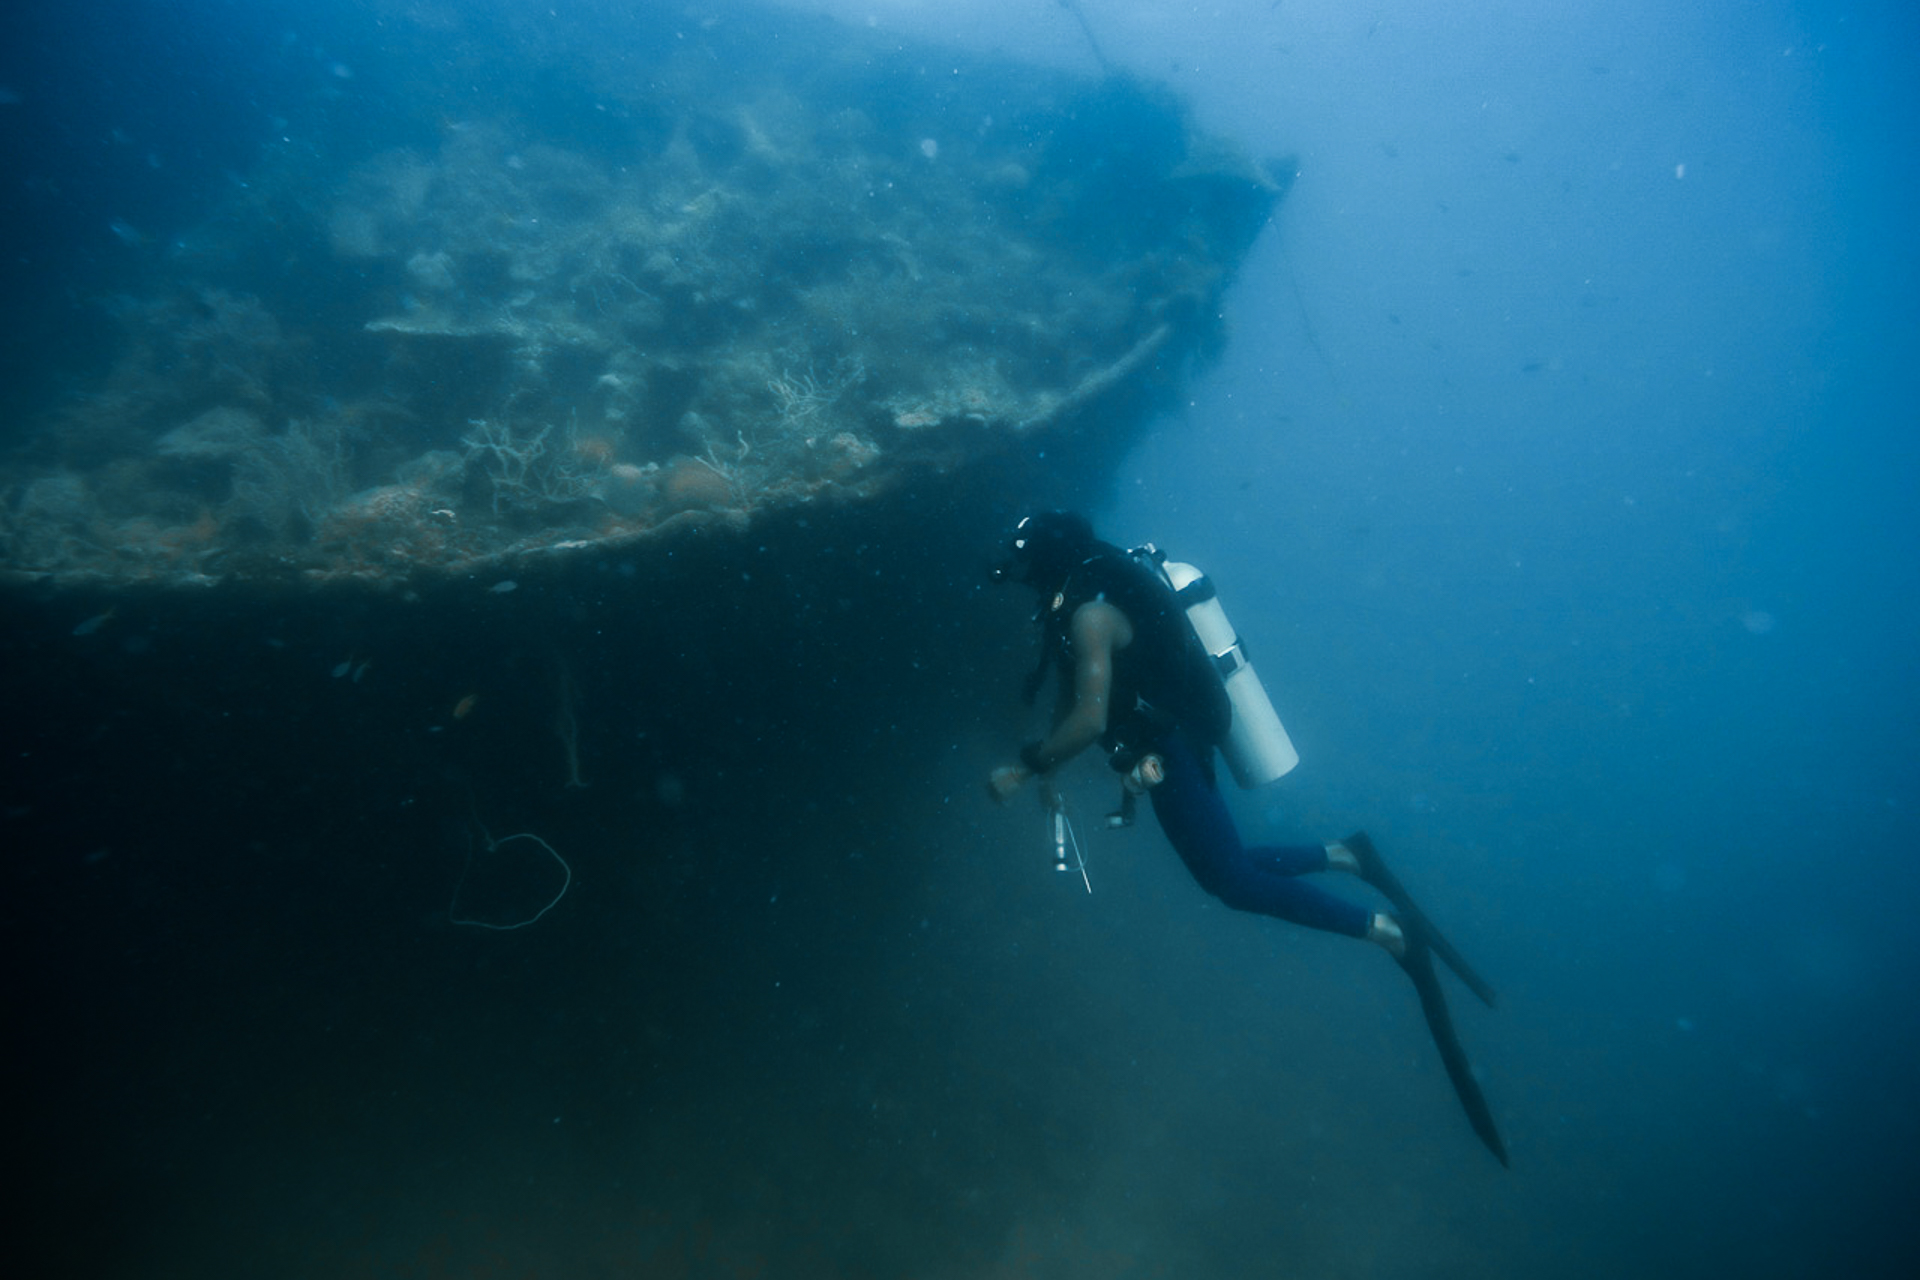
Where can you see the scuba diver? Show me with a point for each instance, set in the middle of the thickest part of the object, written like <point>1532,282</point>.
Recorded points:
<point>1149,669</point>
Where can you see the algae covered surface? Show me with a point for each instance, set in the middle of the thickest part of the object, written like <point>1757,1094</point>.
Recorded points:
<point>611,292</point>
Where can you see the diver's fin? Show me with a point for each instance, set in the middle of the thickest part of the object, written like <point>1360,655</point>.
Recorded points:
<point>1373,869</point>
<point>1418,962</point>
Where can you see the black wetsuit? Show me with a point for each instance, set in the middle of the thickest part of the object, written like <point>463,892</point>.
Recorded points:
<point>1160,704</point>
<point>1263,878</point>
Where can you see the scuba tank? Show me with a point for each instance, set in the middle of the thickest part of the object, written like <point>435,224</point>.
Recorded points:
<point>1257,748</point>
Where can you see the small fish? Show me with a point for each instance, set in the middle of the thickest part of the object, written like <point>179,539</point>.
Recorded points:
<point>464,707</point>
<point>94,623</point>
<point>503,586</point>
<point>361,670</point>
<point>340,669</point>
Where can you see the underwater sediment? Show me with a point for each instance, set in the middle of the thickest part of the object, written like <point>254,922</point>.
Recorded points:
<point>719,281</point>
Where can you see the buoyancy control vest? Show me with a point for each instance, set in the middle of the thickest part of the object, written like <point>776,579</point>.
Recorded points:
<point>1161,681</point>
<point>1184,669</point>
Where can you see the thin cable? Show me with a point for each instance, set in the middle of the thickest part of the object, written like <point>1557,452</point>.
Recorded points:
<point>453,904</point>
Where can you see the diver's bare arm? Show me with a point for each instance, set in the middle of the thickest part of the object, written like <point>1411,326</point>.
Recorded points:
<point>1099,631</point>
<point>1096,627</point>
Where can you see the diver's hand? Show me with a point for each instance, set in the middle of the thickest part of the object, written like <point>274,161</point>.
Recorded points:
<point>1003,782</point>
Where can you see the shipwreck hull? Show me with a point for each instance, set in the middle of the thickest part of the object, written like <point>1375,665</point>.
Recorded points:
<point>617,466</point>
<point>681,296</point>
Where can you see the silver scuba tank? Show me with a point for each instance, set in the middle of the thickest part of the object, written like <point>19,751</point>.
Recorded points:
<point>1257,748</point>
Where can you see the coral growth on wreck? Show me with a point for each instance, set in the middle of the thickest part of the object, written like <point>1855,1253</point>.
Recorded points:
<point>742,293</point>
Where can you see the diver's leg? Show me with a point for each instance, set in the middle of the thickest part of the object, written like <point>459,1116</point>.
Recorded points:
<point>1201,831</point>
<point>1292,859</point>
<point>1383,930</point>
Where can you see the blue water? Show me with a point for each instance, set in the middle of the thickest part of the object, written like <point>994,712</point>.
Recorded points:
<point>1564,470</point>
<point>1560,473</point>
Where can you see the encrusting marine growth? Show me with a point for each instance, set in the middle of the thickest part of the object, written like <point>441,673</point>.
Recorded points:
<point>495,341</point>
